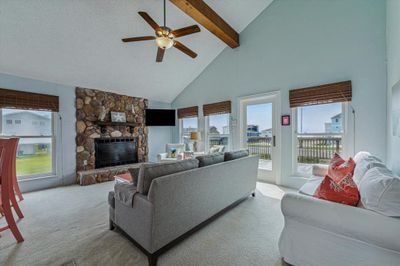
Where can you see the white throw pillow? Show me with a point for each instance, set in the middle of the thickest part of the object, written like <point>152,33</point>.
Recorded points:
<point>380,191</point>
<point>363,164</point>
<point>360,155</point>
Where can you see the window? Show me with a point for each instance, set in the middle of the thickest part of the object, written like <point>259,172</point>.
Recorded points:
<point>188,125</point>
<point>218,132</point>
<point>319,134</point>
<point>35,155</point>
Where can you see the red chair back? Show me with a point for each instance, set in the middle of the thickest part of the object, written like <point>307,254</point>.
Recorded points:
<point>7,189</point>
<point>1,160</point>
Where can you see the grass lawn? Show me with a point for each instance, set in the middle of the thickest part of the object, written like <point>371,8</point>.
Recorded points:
<point>35,164</point>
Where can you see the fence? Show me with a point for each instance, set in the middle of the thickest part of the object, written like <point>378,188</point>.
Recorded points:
<point>310,149</point>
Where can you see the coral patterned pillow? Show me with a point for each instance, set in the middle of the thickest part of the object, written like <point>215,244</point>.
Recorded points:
<point>346,192</point>
<point>340,169</point>
<point>338,185</point>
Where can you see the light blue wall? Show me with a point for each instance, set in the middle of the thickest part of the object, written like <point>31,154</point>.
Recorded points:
<point>393,69</point>
<point>299,43</point>
<point>65,143</point>
<point>158,136</point>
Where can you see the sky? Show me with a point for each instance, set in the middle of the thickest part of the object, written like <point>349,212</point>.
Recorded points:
<point>261,115</point>
<point>315,117</point>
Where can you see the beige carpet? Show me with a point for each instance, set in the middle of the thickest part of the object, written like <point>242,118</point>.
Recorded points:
<point>69,226</point>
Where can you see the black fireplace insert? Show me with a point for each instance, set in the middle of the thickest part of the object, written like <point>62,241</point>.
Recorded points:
<point>115,151</point>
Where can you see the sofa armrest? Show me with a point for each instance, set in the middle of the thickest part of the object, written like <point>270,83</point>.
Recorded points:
<point>320,170</point>
<point>124,193</point>
<point>162,156</point>
<point>353,222</point>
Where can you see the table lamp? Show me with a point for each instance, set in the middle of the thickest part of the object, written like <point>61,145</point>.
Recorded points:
<point>195,137</point>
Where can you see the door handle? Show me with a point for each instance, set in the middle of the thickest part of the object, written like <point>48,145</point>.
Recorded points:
<point>274,141</point>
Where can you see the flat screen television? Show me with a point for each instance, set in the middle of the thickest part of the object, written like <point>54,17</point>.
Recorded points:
<point>160,117</point>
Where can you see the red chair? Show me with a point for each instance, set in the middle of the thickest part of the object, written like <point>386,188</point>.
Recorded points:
<point>14,168</point>
<point>12,145</point>
<point>7,191</point>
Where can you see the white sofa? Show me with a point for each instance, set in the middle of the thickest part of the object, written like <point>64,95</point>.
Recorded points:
<point>319,232</point>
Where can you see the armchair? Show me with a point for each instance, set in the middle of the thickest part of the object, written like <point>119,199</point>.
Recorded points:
<point>173,152</point>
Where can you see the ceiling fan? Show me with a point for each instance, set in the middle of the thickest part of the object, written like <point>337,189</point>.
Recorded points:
<point>165,37</point>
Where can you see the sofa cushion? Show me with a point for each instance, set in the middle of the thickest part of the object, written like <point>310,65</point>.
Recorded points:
<point>311,185</point>
<point>210,159</point>
<point>232,155</point>
<point>150,171</point>
<point>320,170</point>
<point>135,174</point>
<point>380,191</point>
<point>365,163</point>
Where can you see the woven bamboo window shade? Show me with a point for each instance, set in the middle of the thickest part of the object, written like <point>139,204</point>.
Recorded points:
<point>217,108</point>
<point>188,112</point>
<point>329,93</point>
<point>28,100</point>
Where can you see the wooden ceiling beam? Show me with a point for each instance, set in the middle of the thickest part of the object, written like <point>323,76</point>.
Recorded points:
<point>208,18</point>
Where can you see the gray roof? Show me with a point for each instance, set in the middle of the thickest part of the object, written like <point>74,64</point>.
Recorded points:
<point>21,112</point>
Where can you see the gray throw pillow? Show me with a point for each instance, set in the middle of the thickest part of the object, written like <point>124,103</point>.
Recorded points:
<point>150,171</point>
<point>232,155</point>
<point>135,175</point>
<point>210,159</point>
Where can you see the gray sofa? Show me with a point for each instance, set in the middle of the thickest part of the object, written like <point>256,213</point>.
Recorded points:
<point>160,210</point>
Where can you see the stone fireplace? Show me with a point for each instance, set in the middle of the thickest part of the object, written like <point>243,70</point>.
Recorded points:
<point>94,129</point>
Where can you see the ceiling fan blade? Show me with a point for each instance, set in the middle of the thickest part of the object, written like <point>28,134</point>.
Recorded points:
<point>149,20</point>
<point>186,31</point>
<point>184,49</point>
<point>137,39</point>
<point>160,55</point>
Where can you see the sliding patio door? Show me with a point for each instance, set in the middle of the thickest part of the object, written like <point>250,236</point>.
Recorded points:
<point>258,126</point>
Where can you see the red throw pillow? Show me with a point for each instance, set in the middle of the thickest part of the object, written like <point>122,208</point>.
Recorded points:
<point>339,168</point>
<point>338,185</point>
<point>124,178</point>
<point>330,190</point>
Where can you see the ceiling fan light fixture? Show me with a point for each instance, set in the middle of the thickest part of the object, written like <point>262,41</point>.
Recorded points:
<point>164,42</point>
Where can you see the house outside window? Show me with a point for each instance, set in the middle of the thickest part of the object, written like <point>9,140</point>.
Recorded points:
<point>35,156</point>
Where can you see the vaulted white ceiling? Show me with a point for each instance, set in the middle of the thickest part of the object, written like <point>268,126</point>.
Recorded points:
<point>78,43</point>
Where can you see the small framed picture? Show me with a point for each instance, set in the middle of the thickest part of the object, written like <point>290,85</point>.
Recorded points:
<point>118,117</point>
<point>285,120</point>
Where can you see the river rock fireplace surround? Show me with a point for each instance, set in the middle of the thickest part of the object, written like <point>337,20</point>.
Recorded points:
<point>94,128</point>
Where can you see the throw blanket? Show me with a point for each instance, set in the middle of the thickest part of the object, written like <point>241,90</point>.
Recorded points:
<point>125,193</point>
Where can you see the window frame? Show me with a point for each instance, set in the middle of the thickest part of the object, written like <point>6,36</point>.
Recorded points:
<point>345,138</point>
<point>53,137</point>
<point>206,134</point>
